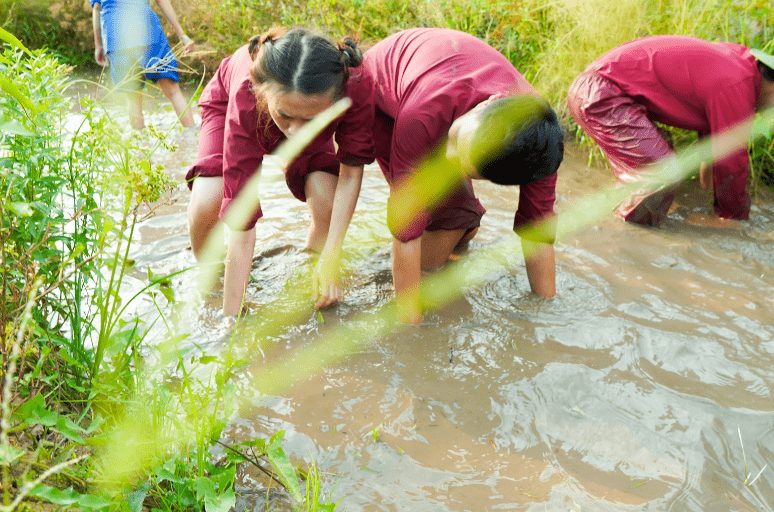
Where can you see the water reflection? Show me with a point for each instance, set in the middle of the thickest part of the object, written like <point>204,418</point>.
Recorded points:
<point>626,392</point>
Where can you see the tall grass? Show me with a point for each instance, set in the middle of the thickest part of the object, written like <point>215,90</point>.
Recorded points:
<point>73,187</point>
<point>549,41</point>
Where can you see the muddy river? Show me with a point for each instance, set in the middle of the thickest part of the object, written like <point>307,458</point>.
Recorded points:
<point>646,384</point>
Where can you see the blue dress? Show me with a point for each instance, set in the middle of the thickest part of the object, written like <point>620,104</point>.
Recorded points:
<point>134,41</point>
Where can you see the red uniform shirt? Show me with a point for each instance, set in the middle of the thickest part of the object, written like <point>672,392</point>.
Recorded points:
<point>696,85</point>
<point>249,136</point>
<point>424,80</point>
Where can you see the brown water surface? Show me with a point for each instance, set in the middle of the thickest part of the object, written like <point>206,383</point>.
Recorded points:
<point>628,391</point>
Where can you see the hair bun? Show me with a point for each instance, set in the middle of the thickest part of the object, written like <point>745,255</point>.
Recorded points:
<point>350,53</point>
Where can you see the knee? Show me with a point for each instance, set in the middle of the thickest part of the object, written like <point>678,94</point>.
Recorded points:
<point>205,202</point>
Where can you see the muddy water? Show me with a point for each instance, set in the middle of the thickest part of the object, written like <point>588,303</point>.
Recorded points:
<point>629,391</point>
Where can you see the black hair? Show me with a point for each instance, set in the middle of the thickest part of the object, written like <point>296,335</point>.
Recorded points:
<point>519,140</point>
<point>766,72</point>
<point>301,61</point>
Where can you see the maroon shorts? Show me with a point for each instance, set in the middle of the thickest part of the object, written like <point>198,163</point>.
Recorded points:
<point>629,139</point>
<point>461,210</point>
<point>209,160</point>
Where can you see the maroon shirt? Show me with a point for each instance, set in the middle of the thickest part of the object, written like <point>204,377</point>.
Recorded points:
<point>425,79</point>
<point>695,85</point>
<point>249,136</point>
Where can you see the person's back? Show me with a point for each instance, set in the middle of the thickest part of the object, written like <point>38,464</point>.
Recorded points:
<point>678,78</point>
<point>435,85</point>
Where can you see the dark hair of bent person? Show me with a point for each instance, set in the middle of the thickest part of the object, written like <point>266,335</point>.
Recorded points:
<point>766,72</point>
<point>519,141</point>
<point>302,61</point>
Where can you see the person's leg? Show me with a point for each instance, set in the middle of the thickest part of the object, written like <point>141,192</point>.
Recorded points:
<point>203,211</point>
<point>134,104</point>
<point>629,139</point>
<point>320,189</point>
<point>171,90</point>
<point>438,246</point>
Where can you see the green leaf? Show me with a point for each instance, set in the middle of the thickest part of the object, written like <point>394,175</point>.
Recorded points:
<point>282,466</point>
<point>12,90</point>
<point>69,429</point>
<point>9,454</point>
<point>14,127</point>
<point>168,472</point>
<point>136,498</point>
<point>208,359</point>
<point>92,502</point>
<point>19,209</point>
<point>13,41</point>
<point>35,412</point>
<point>56,496</point>
<point>222,503</point>
<point>205,488</point>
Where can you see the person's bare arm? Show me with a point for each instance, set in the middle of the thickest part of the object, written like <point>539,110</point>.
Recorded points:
<point>99,50</point>
<point>171,15</point>
<point>239,258</point>
<point>406,276</point>
<point>326,286</point>
<point>540,259</point>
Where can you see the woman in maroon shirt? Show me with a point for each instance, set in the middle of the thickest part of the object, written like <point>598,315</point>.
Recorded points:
<point>679,81</point>
<point>261,94</point>
<point>431,84</point>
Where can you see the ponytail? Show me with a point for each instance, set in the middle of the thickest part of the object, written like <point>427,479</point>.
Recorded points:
<point>351,55</point>
<point>258,41</point>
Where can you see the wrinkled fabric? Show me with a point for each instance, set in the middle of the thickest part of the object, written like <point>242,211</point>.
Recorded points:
<point>235,137</point>
<point>691,84</point>
<point>629,139</point>
<point>424,80</point>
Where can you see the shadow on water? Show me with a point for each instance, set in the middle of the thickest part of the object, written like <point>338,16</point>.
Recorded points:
<point>626,392</point>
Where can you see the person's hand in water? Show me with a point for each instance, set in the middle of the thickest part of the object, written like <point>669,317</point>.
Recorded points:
<point>326,282</point>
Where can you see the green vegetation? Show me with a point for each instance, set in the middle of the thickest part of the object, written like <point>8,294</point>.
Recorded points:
<point>73,359</point>
<point>549,42</point>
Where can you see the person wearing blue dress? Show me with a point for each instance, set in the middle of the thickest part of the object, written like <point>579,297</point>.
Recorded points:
<point>129,39</point>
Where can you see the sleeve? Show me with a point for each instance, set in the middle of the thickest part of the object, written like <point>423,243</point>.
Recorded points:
<point>536,203</point>
<point>242,150</point>
<point>416,133</point>
<point>728,107</point>
<point>354,133</point>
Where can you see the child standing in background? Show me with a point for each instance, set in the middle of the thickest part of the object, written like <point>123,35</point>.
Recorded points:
<point>128,36</point>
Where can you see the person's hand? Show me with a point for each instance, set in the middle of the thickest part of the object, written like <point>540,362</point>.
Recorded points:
<point>326,286</point>
<point>188,44</point>
<point>705,175</point>
<point>99,56</point>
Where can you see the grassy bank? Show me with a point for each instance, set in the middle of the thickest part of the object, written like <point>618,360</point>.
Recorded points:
<point>549,42</point>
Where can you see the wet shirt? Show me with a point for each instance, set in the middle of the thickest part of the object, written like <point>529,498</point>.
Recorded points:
<point>427,78</point>
<point>128,24</point>
<point>695,85</point>
<point>249,136</point>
